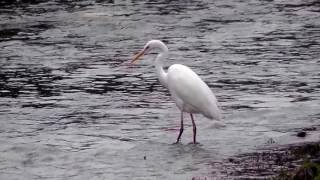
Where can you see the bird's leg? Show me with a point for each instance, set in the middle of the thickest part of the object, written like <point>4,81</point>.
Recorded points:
<point>194,129</point>
<point>181,128</point>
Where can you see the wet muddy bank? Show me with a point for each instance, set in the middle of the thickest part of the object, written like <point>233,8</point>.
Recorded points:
<point>294,161</point>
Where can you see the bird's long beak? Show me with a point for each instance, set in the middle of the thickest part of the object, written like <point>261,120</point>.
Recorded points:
<point>141,53</point>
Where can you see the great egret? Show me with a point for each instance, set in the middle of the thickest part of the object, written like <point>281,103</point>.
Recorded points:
<point>189,92</point>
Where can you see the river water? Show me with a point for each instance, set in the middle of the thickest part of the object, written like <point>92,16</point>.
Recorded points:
<point>72,108</point>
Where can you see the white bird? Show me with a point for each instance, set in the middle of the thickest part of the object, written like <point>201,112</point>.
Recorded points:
<point>187,89</point>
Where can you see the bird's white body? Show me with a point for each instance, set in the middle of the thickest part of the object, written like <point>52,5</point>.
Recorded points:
<point>187,89</point>
<point>190,93</point>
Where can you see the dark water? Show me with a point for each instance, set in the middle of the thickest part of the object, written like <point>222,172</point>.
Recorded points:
<point>71,107</point>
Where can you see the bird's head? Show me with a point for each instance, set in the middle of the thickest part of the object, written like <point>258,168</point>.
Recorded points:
<point>151,45</point>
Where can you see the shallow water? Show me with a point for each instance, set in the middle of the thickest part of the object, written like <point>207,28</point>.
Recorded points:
<point>72,107</point>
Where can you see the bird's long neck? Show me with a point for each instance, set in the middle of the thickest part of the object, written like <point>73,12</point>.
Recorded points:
<point>159,66</point>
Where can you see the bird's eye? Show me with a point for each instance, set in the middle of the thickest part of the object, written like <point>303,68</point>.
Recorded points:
<point>147,47</point>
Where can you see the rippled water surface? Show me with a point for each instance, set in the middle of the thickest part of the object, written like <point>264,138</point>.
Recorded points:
<point>72,108</point>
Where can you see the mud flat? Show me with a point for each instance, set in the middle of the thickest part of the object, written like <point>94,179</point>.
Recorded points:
<point>294,161</point>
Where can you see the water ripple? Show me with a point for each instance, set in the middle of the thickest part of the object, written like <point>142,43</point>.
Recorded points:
<point>72,107</point>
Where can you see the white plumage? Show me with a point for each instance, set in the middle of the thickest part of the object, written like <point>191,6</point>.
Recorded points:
<point>187,89</point>
<point>190,93</point>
